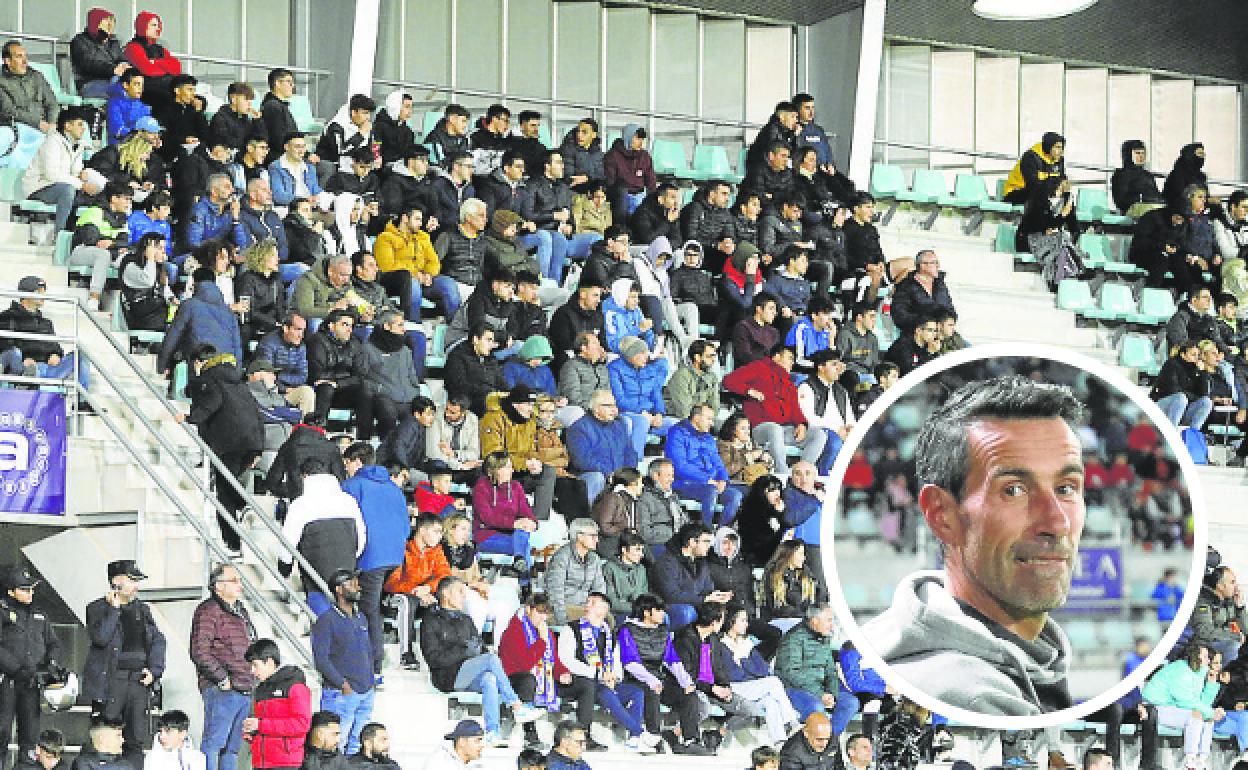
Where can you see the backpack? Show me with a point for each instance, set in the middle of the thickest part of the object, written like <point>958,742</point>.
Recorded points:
<point>1196,445</point>
<point>1058,256</point>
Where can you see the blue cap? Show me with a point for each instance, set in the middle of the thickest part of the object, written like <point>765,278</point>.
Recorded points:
<point>147,123</point>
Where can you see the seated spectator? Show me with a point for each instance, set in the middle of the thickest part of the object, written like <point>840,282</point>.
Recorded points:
<point>790,286</point>
<point>732,573</point>
<point>502,518</point>
<point>863,253</point>
<point>457,659</point>
<point>503,250</point>
<point>350,129</point>
<point>279,417</point>
<point>279,123</point>
<point>1230,227</point>
<point>237,122</point>
<point>570,497</point>
<point>510,426</point>
<point>145,53</point>
<point>472,369</point>
<point>1198,238</point>
<point>1183,693</point>
<point>491,305</point>
<point>773,409</point>
<point>182,117</point>
<point>827,406</point>
<point>1133,186</point>
<point>754,338</point>
<point>1182,388</point>
<point>781,128</point>
<point>699,470</point>
<point>132,161</point>
<point>407,445</point>
<point>682,576</point>
<point>1187,171</point>
<point>371,291</point>
<point>695,382</point>
<point>359,186</point>
<point>911,351</point>
<point>622,314</point>
<point>773,179</point>
<point>449,136</point>
<point>551,210</point>
<point>950,338</point>
<point>293,173</point>
<point>340,373</point>
<point>461,249</point>
<point>374,749</point>
<point>405,245</point>
<point>217,256</point>
<point>739,286</point>
<point>582,153</point>
<point>690,284</point>
<point>806,663</point>
<point>215,216</point>
<point>325,526</point>
<point>145,294</point>
<point>462,746</point>
<point>56,173</point>
<point>1217,622</point>
<point>484,602</point>
<point>285,348</point>
<point>410,183</point>
<point>615,510</point>
<point>453,441</point>
<point>782,227</point>
<point>531,366</point>
<point>763,520</point>
<point>95,55</point>
<point>923,289</point>
<point>262,223</point>
<point>886,375</point>
<point>600,443</point>
<point>585,373</point>
<point>744,461</point>
<point>125,105</point>
<point>204,319</point>
<point>103,750</point>
<point>803,503</point>
<point>637,382</point>
<point>391,130</point>
<point>261,286</point>
<point>658,511</point>
<point>738,660</point>
<point>434,496</point>
<point>610,259</point>
<point>694,645</point>
<point>812,333</point>
<point>747,216</point>
<point>824,187</point>
<point>25,95</point>
<point>153,217</point>
<point>528,139</point>
<point>652,668</point>
<point>99,238</point>
<point>624,573</point>
<point>1154,247</point>
<point>534,666</point>
<point>581,314</point>
<point>413,584</point>
<point>629,172</point>
<point>1043,161</point>
<point>1191,322</point>
<point>788,585</point>
<point>591,212</point>
<point>708,220</point>
<point>391,369</point>
<point>574,572</point>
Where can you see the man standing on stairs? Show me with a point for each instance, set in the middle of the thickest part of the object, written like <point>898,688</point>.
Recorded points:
<point>126,658</point>
<point>343,654</point>
<point>221,632</point>
<point>27,646</point>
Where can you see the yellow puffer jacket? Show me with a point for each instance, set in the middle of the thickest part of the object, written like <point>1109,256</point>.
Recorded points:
<point>1038,163</point>
<point>500,433</point>
<point>411,252</point>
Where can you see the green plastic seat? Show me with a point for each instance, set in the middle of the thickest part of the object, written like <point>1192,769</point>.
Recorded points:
<point>1000,197</point>
<point>301,111</point>
<point>436,357</point>
<point>1096,249</point>
<point>1091,203</point>
<point>887,181</point>
<point>180,378</point>
<point>971,191</point>
<point>710,161</point>
<point>929,187</point>
<point>53,77</point>
<point>543,136</point>
<point>1117,303</point>
<point>1074,295</point>
<point>669,158</point>
<point>64,242</point>
<point>741,156</point>
<point>11,184</point>
<point>431,119</point>
<point>1005,239</point>
<point>1156,307</point>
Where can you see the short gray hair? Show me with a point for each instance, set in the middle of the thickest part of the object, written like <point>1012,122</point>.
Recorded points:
<point>942,451</point>
<point>582,527</point>
<point>214,178</point>
<point>339,259</point>
<point>388,315</point>
<point>600,397</point>
<point>471,205</point>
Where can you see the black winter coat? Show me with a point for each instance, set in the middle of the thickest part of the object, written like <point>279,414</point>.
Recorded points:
<point>582,161</point>
<point>1132,184</point>
<point>305,442</point>
<point>107,161</point>
<point>548,196</point>
<point>268,299</point>
<point>90,759</point>
<point>447,639</point>
<point>797,754</point>
<point>911,301</point>
<point>707,224</point>
<point>394,137</point>
<point>693,284</point>
<point>862,245</point>
<point>346,363</point>
<point>771,186</point>
<point>463,258</point>
<point>278,123</point>
<point>1179,376</point>
<point>401,191</point>
<point>771,133</point>
<point>567,322</point>
<point>190,177</point>
<point>180,121</point>
<point>226,412</point>
<point>649,222</point>
<point>27,640</point>
<point>472,375</point>
<point>235,129</point>
<point>735,575</point>
<point>104,628</point>
<point>321,759</point>
<point>1188,169</point>
<point>405,445</point>
<point>18,319</point>
<point>446,201</point>
<point>94,57</point>
<point>303,244</point>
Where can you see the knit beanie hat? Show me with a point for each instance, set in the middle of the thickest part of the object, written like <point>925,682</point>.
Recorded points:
<point>631,346</point>
<point>535,347</point>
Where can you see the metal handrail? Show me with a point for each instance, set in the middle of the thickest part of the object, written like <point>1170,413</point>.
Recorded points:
<point>253,64</point>
<point>308,573</point>
<point>566,104</point>
<point>252,590</point>
<point>1013,158</point>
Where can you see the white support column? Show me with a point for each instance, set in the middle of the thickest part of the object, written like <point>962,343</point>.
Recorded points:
<point>363,47</point>
<point>866,101</point>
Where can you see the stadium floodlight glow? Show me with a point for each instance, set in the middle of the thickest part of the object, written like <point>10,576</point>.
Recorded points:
<point>1029,10</point>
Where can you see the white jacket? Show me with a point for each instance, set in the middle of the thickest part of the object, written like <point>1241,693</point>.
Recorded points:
<point>57,161</point>
<point>322,498</point>
<point>445,758</point>
<point>185,757</point>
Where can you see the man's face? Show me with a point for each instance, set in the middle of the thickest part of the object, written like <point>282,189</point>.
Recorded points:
<point>788,119</point>
<point>864,212</point>
<point>824,322</point>
<point>701,545</point>
<point>453,412</point>
<point>261,193</point>
<point>573,745</point>
<point>47,759</point>
<point>1103,762</point>
<point>530,129</point>
<point>669,199</point>
<point>108,24</point>
<point>524,409</point>
<point>470,748</point>
<point>806,112</point>
<point>457,124</point>
<point>501,123</point>
<point>23,594</point>
<point>339,274</point>
<point>119,203</point>
<point>804,476</point>
<point>427,417</point>
<point>296,149</point>
<point>341,329</point>
<point>752,208</point>
<point>605,410</point>
<point>1139,156</point>
<point>831,371</point>
<point>928,333</point>
<point>504,290</point>
<point>596,610</point>
<point>890,379</point>
<point>1202,301</point>
<point>701,419</point>
<point>527,292</point>
<point>367,271</point>
<point>379,745</point>
<point>948,328</point>
<point>240,103</point>
<point>350,590</point>
<point>133,87</point>
<point>1011,540</point>
<point>707,360</point>
<point>590,298</point>
<point>16,60</point>
<point>818,735</point>
<point>360,117</point>
<point>592,349</point>
<point>293,334</point>
<point>823,623</point>
<point>1239,211</point>
<point>778,159</point>
<point>419,165</point>
<point>284,87</point>
<point>222,189</point>
<point>929,265</point>
<point>263,668</point>
<point>484,345</point>
<point>719,196</point>
<point>663,475</point>
<point>1059,149</point>
<point>767,313</point>
<point>327,736</point>
<point>1226,587</point>
<point>639,360</point>
<point>125,585</point>
<point>229,586</point>
<point>432,534</point>
<point>618,246</point>
<point>584,134</point>
<point>476,217</point>
<point>791,212</point>
<point>515,172</point>
<point>185,93</point>
<point>554,168</point>
<point>785,360</point>
<point>860,752</point>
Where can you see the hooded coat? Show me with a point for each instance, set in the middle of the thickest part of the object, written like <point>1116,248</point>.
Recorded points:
<point>225,410</point>
<point>146,54</point>
<point>341,138</point>
<point>774,131</point>
<point>123,113</point>
<point>1188,170</point>
<point>305,441</point>
<point>202,319</point>
<point>632,170</point>
<point>283,706</point>
<point>395,136</point>
<point>93,52</point>
<point>649,222</point>
<point>1036,165</point>
<point>929,639</point>
<point>1131,183</point>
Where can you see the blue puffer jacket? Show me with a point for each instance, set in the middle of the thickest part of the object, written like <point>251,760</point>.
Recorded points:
<point>539,379</point>
<point>790,292</point>
<point>638,390</point>
<point>139,224</point>
<point>694,454</point>
<point>283,182</point>
<point>622,323</point>
<point>804,512</point>
<point>385,517</point>
<point>202,319</point>
<point>858,678</point>
<point>206,223</point>
<point>599,446</point>
<point>123,112</point>
<point>291,361</point>
<point>262,225</point>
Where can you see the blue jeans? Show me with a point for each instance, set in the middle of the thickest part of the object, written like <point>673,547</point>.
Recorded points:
<point>443,291</point>
<point>516,544</point>
<point>642,429</point>
<point>830,450</point>
<point>290,272</point>
<point>484,674</point>
<point>318,602</point>
<point>633,200</point>
<point>680,615</point>
<point>626,703</point>
<point>576,247</point>
<point>543,241</point>
<point>595,482</point>
<point>11,360</point>
<point>60,195</point>
<point>1180,412</point>
<point>355,711</point>
<point>224,712</point>
<point>95,89</point>
<point>807,703</point>
<point>706,494</point>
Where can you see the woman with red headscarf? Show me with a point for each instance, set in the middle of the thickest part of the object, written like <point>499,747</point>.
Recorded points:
<point>148,56</point>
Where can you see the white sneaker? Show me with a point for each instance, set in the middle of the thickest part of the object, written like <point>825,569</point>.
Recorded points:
<point>495,741</point>
<point>649,739</point>
<point>523,712</point>
<point>633,743</point>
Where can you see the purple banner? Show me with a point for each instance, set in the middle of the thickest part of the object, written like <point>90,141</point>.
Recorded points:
<point>1098,575</point>
<point>32,452</point>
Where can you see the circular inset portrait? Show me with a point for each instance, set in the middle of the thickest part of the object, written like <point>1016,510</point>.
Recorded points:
<point>1018,538</point>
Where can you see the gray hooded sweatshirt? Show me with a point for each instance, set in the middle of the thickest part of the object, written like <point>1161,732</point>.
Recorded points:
<point>928,638</point>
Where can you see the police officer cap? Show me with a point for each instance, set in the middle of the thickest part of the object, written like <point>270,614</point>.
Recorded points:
<point>19,577</point>
<point>126,567</point>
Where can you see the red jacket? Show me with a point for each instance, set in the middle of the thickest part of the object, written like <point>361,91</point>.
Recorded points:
<point>283,705</point>
<point>145,54</point>
<point>428,501</point>
<point>779,404</point>
<point>518,657</point>
<point>496,508</point>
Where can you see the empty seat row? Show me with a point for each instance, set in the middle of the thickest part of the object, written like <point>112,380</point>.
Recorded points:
<point>1116,303</point>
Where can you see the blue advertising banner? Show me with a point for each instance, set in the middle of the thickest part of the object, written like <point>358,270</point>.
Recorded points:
<point>32,452</point>
<point>1098,575</point>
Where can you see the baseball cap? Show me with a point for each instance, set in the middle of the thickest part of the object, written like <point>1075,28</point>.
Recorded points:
<point>127,567</point>
<point>467,728</point>
<point>341,576</point>
<point>260,365</point>
<point>20,577</point>
<point>31,283</point>
<point>148,123</point>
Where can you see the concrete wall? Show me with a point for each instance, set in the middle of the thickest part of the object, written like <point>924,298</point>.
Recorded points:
<point>828,62</point>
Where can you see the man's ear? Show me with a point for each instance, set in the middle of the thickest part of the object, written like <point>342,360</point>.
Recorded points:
<point>940,509</point>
